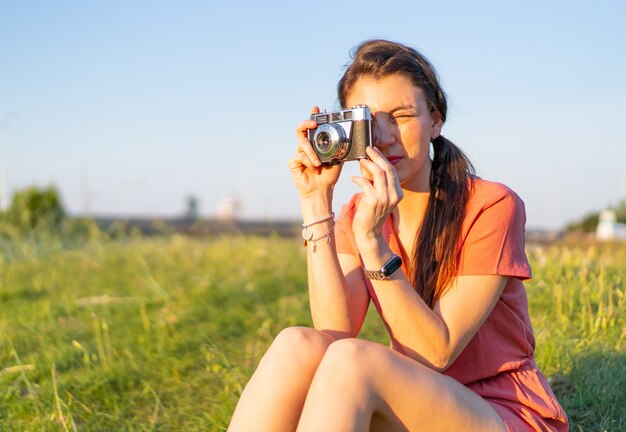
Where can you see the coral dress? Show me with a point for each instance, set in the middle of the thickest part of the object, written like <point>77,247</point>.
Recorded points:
<point>498,363</point>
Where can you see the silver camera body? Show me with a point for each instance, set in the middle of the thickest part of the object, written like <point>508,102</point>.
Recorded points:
<point>342,135</point>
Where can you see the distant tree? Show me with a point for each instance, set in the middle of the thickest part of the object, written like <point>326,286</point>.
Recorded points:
<point>590,222</point>
<point>620,210</point>
<point>586,224</point>
<point>192,212</point>
<point>34,208</point>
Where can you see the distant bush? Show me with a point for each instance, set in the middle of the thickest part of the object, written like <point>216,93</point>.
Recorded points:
<point>39,211</point>
<point>34,208</point>
<point>80,227</point>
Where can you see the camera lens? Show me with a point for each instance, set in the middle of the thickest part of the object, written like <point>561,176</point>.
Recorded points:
<point>323,141</point>
<point>330,142</point>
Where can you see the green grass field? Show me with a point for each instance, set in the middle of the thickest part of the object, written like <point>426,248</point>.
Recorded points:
<point>162,333</point>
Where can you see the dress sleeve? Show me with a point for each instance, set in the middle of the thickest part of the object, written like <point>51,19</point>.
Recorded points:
<point>495,238</point>
<point>344,239</point>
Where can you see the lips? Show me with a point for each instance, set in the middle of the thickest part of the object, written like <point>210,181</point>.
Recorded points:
<point>394,160</point>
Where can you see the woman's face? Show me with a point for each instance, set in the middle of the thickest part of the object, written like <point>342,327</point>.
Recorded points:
<point>403,125</point>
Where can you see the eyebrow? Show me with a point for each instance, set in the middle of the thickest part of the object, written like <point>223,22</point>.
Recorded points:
<point>404,107</point>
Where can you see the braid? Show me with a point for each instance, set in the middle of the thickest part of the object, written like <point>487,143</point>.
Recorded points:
<point>450,170</point>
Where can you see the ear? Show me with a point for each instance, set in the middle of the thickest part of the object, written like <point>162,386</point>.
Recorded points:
<point>437,124</point>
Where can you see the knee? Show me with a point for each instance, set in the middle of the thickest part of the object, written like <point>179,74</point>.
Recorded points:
<point>302,340</point>
<point>299,347</point>
<point>347,352</point>
<point>346,364</point>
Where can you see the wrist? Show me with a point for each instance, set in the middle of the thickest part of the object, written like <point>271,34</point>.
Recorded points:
<point>368,241</point>
<point>374,250</point>
<point>316,204</point>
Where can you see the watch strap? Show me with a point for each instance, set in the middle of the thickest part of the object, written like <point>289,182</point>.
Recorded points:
<point>393,264</point>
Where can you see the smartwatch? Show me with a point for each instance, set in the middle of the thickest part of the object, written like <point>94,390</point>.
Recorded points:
<point>394,263</point>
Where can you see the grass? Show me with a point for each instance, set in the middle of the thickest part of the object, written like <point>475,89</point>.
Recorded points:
<point>161,334</point>
<point>577,302</point>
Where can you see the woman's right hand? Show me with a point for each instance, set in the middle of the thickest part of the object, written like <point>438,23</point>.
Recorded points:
<point>309,175</point>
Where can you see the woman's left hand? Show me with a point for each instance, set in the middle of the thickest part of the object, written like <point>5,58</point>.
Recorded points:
<point>381,194</point>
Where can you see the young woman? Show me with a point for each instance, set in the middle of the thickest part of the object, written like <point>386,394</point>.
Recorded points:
<point>461,354</point>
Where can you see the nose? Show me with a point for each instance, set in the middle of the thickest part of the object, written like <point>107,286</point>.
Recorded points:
<point>383,134</point>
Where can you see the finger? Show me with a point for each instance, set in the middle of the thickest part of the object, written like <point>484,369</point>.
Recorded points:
<point>307,162</point>
<point>385,182</point>
<point>295,165</point>
<point>365,173</point>
<point>377,157</point>
<point>300,162</point>
<point>378,175</point>
<point>365,184</point>
<point>303,139</point>
<point>390,172</point>
<point>304,146</point>
<point>308,124</point>
<point>304,126</point>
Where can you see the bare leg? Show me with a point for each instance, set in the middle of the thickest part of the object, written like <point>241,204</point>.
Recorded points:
<point>274,396</point>
<point>361,385</point>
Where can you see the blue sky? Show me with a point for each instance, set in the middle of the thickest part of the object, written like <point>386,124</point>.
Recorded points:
<point>130,107</point>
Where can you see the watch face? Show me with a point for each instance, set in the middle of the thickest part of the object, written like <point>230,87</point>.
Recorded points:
<point>392,265</point>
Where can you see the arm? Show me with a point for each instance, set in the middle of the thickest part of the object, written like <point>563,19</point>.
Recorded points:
<point>434,337</point>
<point>338,296</point>
<point>338,303</point>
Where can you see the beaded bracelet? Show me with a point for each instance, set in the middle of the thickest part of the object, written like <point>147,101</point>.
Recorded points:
<point>320,220</point>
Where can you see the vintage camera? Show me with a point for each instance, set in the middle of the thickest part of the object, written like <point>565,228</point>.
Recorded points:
<point>343,135</point>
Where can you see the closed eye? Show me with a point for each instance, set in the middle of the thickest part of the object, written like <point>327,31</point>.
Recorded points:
<point>395,118</point>
<point>400,117</point>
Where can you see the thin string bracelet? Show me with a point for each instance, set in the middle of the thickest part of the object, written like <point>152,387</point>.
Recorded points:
<point>307,233</point>
<point>328,236</point>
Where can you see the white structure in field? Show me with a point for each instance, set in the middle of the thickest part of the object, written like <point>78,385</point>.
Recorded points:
<point>608,228</point>
<point>228,209</point>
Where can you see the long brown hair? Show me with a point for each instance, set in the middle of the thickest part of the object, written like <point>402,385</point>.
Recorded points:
<point>436,249</point>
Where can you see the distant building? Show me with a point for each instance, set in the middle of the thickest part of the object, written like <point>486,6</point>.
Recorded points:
<point>608,228</point>
<point>228,209</point>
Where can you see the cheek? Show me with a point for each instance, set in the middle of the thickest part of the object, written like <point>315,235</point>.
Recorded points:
<point>416,135</point>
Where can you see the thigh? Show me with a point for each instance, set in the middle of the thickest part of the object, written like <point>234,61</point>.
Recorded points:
<point>410,396</point>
